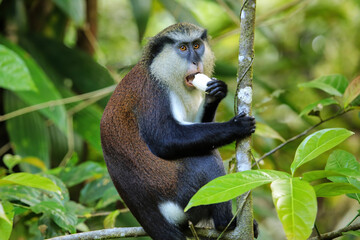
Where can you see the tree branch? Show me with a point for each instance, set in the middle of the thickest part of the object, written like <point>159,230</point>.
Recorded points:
<point>95,94</point>
<point>338,233</point>
<point>243,102</point>
<point>299,136</point>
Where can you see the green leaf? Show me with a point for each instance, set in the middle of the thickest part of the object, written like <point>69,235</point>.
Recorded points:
<point>141,10</point>
<point>110,196</point>
<point>318,106</point>
<point>6,219</point>
<point>232,185</point>
<point>264,130</point>
<point>75,9</point>
<point>318,143</point>
<point>295,203</point>
<point>352,91</point>
<point>14,74</point>
<point>63,218</point>
<point>95,190</point>
<point>332,84</point>
<point>340,172</point>
<point>334,189</point>
<point>75,175</point>
<point>340,159</point>
<point>352,233</point>
<point>31,180</point>
<point>46,91</point>
<point>11,161</point>
<point>33,139</point>
<point>109,221</point>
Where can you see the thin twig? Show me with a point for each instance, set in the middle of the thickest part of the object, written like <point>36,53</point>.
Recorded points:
<point>95,94</point>
<point>5,148</point>
<point>193,231</point>
<point>299,136</point>
<point>338,233</point>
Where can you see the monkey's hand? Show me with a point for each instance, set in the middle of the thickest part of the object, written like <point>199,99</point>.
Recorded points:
<point>216,90</point>
<point>244,125</point>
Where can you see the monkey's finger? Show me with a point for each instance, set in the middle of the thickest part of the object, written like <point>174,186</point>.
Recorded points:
<point>214,91</point>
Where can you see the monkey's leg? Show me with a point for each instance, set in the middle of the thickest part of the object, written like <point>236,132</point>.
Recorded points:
<point>222,216</point>
<point>158,227</point>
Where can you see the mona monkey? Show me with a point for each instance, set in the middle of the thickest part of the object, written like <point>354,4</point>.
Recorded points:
<point>158,136</point>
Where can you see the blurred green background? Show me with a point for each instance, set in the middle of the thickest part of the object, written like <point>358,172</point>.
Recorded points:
<point>66,48</point>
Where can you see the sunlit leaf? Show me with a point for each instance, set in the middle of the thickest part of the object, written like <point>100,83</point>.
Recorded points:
<point>318,143</point>
<point>334,189</point>
<point>14,74</point>
<point>264,130</point>
<point>332,84</point>
<point>318,105</point>
<point>75,9</point>
<point>11,161</point>
<point>352,91</point>
<point>30,180</point>
<point>295,203</point>
<point>109,221</point>
<point>232,185</point>
<point>6,219</point>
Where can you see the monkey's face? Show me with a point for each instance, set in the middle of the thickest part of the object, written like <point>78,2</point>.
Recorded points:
<point>180,54</point>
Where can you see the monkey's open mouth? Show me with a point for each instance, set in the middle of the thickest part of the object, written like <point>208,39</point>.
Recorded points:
<point>189,78</point>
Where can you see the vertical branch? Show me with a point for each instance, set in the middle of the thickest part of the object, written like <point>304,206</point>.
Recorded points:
<point>243,98</point>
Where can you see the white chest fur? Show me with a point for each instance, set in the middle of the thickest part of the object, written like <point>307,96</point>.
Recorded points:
<point>187,108</point>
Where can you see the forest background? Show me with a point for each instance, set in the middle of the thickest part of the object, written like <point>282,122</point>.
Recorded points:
<point>69,54</point>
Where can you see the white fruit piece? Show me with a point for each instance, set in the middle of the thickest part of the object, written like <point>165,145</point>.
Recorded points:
<point>200,81</point>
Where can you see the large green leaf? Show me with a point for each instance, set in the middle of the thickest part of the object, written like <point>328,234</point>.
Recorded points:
<point>14,75</point>
<point>61,62</point>
<point>141,10</point>
<point>65,219</point>
<point>334,189</point>
<point>46,91</point>
<point>340,159</point>
<point>295,203</point>
<point>30,180</point>
<point>232,185</point>
<point>85,73</point>
<point>352,91</point>
<point>75,9</point>
<point>318,143</point>
<point>332,84</point>
<point>33,139</point>
<point>318,106</point>
<point>6,219</point>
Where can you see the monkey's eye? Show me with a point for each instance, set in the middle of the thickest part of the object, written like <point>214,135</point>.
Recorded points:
<point>196,45</point>
<point>183,48</point>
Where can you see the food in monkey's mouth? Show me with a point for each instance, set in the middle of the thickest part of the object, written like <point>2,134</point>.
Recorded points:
<point>200,81</point>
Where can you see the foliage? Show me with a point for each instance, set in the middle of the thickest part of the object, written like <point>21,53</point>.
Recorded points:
<point>53,179</point>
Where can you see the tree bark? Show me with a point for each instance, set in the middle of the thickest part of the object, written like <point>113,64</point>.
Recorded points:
<point>243,99</point>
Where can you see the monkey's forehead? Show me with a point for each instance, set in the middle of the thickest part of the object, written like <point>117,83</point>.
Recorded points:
<point>183,32</point>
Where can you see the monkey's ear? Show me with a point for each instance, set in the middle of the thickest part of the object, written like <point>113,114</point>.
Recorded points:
<point>204,35</point>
